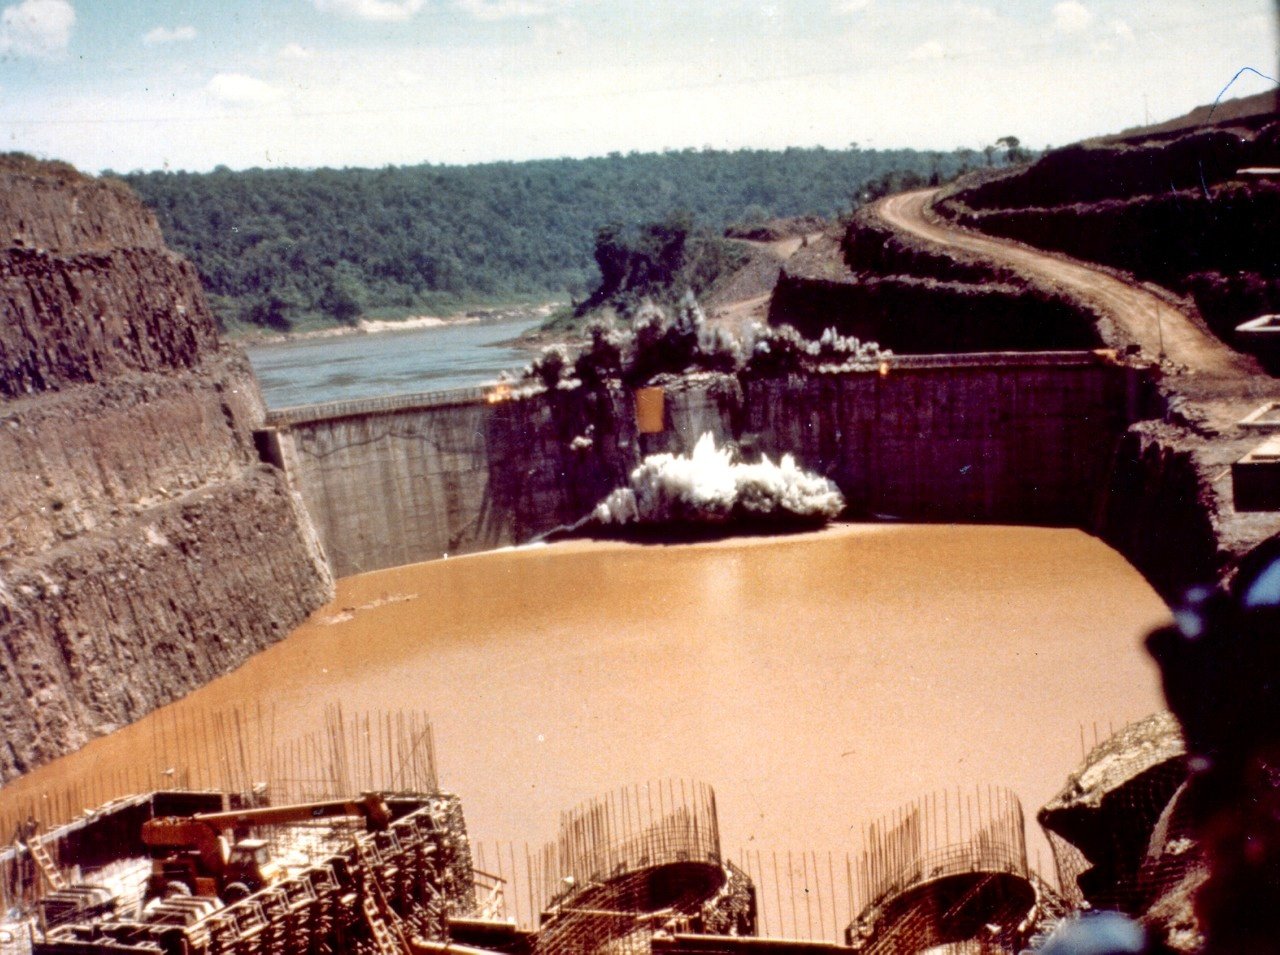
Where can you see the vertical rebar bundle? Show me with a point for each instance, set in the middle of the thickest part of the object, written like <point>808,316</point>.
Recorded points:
<point>604,923</point>
<point>645,825</point>
<point>628,863</point>
<point>949,868</point>
<point>801,894</point>
<point>948,833</point>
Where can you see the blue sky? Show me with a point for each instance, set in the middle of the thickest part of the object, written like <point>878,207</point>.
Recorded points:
<point>149,84</point>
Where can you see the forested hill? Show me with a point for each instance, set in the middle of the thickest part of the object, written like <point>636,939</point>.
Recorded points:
<point>276,247</point>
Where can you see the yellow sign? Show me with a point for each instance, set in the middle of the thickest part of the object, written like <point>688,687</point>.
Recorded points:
<point>650,410</point>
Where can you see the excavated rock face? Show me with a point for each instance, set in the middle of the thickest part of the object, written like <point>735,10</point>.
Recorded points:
<point>64,325</point>
<point>913,298</point>
<point>144,549</point>
<point>48,205</point>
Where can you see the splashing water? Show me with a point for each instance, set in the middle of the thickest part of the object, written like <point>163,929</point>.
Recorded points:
<point>710,487</point>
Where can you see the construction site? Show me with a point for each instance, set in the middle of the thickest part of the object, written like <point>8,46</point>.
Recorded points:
<point>344,842</point>
<point>163,537</point>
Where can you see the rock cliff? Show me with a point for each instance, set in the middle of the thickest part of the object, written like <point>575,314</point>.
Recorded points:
<point>144,550</point>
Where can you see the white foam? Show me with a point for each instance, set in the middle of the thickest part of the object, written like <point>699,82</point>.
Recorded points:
<point>711,487</point>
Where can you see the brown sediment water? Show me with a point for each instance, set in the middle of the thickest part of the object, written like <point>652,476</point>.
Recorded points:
<point>816,681</point>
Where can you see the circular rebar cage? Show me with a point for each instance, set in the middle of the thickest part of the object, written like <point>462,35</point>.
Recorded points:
<point>949,868</point>
<point>628,864</point>
<point>641,827</point>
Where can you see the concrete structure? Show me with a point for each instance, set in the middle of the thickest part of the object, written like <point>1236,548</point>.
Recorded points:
<point>1007,437</point>
<point>1255,478</point>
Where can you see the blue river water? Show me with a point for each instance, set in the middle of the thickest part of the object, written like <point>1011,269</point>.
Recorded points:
<point>337,368</point>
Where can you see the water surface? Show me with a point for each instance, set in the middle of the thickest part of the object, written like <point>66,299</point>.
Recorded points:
<point>454,355</point>
<point>816,681</point>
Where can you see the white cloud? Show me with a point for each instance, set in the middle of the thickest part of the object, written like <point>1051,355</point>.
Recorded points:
<point>504,9</point>
<point>166,35</point>
<point>39,28</point>
<point>238,89</point>
<point>1121,29</point>
<point>1071,16</point>
<point>850,6</point>
<point>1118,34</point>
<point>383,11</point>
<point>294,51</point>
<point>929,50</point>
<point>976,13</point>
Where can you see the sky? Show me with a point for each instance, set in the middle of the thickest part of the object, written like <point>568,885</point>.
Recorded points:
<point>179,84</point>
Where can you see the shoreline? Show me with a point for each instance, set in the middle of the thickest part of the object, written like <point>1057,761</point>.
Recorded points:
<point>379,326</point>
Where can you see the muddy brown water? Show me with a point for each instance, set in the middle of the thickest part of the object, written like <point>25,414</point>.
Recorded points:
<point>816,681</point>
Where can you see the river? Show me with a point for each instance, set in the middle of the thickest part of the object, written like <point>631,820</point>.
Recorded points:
<point>341,367</point>
<point>816,681</point>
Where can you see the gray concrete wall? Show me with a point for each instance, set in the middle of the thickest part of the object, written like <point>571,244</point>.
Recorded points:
<point>1018,440</point>
<point>1025,438</point>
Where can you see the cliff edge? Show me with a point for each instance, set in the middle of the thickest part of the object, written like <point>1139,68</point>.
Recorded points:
<point>144,550</point>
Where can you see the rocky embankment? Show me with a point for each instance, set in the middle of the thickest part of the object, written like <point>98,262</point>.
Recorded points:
<point>144,550</point>
<point>1192,209</point>
<point>878,285</point>
<point>909,277</point>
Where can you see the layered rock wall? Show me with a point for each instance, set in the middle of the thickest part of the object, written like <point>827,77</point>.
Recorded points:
<point>1193,210</point>
<point>51,206</point>
<point>144,549</point>
<point>64,325</point>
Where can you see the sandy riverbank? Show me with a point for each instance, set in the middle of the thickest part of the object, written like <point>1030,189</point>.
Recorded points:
<point>378,326</point>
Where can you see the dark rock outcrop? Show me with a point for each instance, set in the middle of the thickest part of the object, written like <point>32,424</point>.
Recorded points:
<point>1118,836</point>
<point>64,325</point>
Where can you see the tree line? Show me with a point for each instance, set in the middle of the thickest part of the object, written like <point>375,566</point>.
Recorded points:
<point>278,247</point>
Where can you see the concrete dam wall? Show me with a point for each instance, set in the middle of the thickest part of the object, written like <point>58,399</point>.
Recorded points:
<point>144,548</point>
<point>1013,438</point>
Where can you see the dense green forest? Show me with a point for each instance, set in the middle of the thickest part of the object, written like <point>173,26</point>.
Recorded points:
<point>281,247</point>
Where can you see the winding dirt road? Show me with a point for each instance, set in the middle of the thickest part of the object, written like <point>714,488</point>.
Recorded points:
<point>748,301</point>
<point>1153,323</point>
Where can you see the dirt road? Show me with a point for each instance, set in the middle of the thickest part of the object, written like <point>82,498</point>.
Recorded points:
<point>1155,324</point>
<point>746,298</point>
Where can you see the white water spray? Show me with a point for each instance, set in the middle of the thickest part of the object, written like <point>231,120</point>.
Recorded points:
<point>710,487</point>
